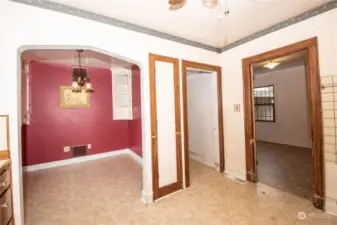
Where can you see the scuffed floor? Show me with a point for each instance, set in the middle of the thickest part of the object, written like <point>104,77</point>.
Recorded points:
<point>107,192</point>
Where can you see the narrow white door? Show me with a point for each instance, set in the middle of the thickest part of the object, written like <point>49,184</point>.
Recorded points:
<point>202,118</point>
<point>165,125</point>
<point>166,134</point>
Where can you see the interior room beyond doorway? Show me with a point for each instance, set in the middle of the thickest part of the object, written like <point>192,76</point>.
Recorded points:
<point>282,124</point>
<point>203,144</point>
<point>268,103</point>
<point>203,117</point>
<point>81,126</point>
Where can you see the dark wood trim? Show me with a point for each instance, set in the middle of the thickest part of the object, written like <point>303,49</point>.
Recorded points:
<point>217,69</point>
<point>168,189</point>
<point>311,47</point>
<point>162,191</point>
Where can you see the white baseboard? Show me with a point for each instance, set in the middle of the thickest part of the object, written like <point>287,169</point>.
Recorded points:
<point>82,159</point>
<point>147,198</point>
<point>234,176</point>
<point>331,206</point>
<point>135,156</point>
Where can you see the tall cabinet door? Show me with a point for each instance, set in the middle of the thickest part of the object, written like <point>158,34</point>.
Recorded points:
<point>165,125</point>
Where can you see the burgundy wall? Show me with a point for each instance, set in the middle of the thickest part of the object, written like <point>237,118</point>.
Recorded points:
<point>135,125</point>
<point>52,127</point>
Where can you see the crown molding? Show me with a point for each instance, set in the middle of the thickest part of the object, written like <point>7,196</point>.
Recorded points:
<point>57,7</point>
<point>304,16</point>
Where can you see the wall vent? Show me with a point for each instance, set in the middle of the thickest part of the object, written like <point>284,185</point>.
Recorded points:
<point>80,150</point>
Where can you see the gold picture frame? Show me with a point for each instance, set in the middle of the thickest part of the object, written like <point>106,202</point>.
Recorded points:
<point>4,137</point>
<point>71,100</point>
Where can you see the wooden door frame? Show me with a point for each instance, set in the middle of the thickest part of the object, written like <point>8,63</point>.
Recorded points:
<point>195,65</point>
<point>314,90</point>
<point>162,191</point>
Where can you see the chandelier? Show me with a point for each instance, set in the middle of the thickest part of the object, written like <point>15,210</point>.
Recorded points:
<point>81,80</point>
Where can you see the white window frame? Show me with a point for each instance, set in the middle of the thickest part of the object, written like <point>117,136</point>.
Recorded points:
<point>121,112</point>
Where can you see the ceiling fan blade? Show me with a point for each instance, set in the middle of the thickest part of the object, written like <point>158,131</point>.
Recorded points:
<point>176,2</point>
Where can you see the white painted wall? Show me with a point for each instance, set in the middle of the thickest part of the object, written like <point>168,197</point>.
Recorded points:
<point>292,125</point>
<point>202,105</point>
<point>324,26</point>
<point>25,25</point>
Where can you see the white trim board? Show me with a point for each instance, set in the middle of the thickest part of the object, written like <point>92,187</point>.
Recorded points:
<point>135,156</point>
<point>83,159</point>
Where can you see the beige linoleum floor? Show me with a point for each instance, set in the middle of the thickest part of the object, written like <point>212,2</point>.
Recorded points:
<point>107,192</point>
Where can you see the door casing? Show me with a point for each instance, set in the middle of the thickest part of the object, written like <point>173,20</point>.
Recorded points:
<point>168,189</point>
<point>195,65</point>
<point>314,92</point>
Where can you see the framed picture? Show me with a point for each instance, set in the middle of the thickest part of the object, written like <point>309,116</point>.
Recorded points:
<point>70,99</point>
<point>4,136</point>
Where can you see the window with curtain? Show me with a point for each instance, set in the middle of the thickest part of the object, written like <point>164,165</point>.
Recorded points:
<point>264,101</point>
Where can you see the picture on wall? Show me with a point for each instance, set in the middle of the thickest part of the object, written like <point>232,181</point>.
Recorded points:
<point>71,99</point>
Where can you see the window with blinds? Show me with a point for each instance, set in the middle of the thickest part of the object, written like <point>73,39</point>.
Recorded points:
<point>264,101</point>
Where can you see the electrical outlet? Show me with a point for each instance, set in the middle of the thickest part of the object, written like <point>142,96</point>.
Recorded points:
<point>216,167</point>
<point>66,149</point>
<point>89,146</point>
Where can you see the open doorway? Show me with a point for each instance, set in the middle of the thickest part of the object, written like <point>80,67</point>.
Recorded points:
<point>74,138</point>
<point>280,152</point>
<point>203,118</point>
<point>282,124</point>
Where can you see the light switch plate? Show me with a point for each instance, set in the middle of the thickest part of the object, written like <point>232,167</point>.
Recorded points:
<point>236,107</point>
<point>89,146</point>
<point>66,149</point>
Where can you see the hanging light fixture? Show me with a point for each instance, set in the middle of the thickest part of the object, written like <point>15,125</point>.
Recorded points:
<point>81,80</point>
<point>210,3</point>
<point>223,9</point>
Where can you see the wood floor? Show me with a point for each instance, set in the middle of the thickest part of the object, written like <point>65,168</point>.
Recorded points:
<point>285,167</point>
<point>107,192</point>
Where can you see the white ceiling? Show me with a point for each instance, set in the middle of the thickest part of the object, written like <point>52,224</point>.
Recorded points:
<point>70,57</point>
<point>197,23</point>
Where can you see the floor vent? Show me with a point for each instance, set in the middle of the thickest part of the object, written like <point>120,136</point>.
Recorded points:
<point>80,150</point>
<point>240,180</point>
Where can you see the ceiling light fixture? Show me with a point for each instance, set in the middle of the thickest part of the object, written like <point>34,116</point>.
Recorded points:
<point>210,3</point>
<point>271,65</point>
<point>81,80</point>
<point>223,10</point>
